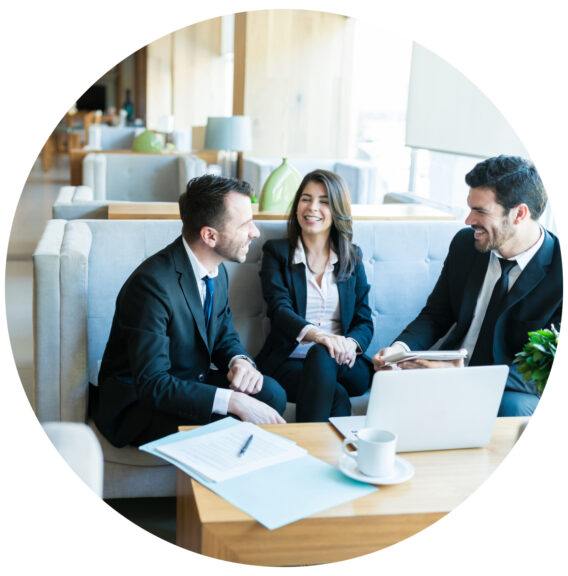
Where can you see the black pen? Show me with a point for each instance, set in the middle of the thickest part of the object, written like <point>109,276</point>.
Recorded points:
<point>246,445</point>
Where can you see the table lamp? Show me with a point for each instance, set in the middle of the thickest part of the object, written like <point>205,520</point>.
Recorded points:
<point>229,135</point>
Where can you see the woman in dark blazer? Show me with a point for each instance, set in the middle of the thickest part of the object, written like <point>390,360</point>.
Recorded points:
<point>316,292</point>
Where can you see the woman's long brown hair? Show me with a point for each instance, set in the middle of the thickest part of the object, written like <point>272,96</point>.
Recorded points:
<point>341,233</point>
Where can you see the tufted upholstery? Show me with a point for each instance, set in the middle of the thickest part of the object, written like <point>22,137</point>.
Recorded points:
<point>79,267</point>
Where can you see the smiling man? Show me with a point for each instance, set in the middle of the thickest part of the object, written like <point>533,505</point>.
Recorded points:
<point>173,356</point>
<point>502,278</point>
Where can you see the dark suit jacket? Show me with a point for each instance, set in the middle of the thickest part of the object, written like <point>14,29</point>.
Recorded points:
<point>285,291</point>
<point>534,302</point>
<point>158,354</point>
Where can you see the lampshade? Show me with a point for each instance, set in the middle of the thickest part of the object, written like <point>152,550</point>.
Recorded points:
<point>228,133</point>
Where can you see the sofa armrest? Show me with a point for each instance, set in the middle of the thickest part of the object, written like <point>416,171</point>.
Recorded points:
<point>46,307</point>
<point>257,170</point>
<point>94,174</point>
<point>94,137</point>
<point>74,202</point>
<point>74,279</point>
<point>361,178</point>
<point>64,198</point>
<point>190,166</point>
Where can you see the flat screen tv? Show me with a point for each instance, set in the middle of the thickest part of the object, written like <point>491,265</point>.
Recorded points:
<point>93,99</point>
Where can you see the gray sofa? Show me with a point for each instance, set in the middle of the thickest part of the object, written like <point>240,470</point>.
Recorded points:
<point>360,175</point>
<point>126,178</point>
<point>79,267</point>
<point>102,137</point>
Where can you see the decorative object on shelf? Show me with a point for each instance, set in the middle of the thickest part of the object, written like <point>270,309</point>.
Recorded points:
<point>128,106</point>
<point>229,135</point>
<point>147,141</point>
<point>280,187</point>
<point>535,359</point>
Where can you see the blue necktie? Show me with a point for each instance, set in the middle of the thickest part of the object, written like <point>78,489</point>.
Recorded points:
<point>208,304</point>
<point>483,351</point>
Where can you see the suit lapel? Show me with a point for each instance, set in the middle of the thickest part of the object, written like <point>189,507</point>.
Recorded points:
<point>533,273</point>
<point>188,285</point>
<point>472,288</point>
<point>298,276</point>
<point>345,290</point>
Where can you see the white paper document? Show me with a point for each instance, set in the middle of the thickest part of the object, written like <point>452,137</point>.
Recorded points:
<point>217,456</point>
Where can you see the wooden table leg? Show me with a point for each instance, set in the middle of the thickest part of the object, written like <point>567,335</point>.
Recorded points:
<point>48,154</point>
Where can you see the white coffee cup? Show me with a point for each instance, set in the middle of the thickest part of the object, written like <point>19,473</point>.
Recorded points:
<point>375,451</point>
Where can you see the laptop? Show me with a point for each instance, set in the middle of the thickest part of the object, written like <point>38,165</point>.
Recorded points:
<point>433,409</point>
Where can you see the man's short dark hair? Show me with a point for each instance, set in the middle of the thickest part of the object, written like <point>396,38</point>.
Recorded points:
<point>514,180</point>
<point>203,202</point>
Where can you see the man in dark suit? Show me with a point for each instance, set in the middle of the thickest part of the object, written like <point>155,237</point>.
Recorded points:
<point>173,322</point>
<point>502,278</point>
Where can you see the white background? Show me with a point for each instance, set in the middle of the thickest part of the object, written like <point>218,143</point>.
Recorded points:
<point>51,52</point>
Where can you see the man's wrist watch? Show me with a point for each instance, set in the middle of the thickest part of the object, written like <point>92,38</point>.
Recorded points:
<point>243,357</point>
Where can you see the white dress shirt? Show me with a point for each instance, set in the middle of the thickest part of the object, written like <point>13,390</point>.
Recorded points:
<point>222,395</point>
<point>322,302</point>
<point>491,276</point>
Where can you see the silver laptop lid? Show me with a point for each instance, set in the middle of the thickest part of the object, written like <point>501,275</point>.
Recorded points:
<point>437,409</point>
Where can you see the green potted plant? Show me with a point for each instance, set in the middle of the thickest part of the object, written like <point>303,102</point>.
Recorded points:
<point>535,359</point>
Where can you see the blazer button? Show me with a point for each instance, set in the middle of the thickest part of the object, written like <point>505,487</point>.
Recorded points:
<point>201,377</point>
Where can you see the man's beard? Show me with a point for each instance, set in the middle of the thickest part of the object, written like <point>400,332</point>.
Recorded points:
<point>493,240</point>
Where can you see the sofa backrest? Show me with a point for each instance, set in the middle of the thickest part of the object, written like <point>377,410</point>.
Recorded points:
<point>402,262</point>
<point>102,137</point>
<point>360,175</point>
<point>140,177</point>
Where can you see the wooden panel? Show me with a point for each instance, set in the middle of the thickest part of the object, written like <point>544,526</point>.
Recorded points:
<point>309,541</point>
<point>298,91</point>
<point>159,77</point>
<point>141,59</point>
<point>239,78</point>
<point>201,87</point>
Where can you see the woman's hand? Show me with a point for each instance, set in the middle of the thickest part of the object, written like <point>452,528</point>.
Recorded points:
<point>342,350</point>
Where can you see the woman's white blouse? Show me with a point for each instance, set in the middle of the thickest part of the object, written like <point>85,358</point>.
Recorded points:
<point>322,302</point>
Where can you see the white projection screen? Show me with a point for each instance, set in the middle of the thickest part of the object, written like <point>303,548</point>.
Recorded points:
<point>448,113</point>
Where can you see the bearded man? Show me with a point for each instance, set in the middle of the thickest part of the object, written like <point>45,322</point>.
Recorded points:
<point>501,279</point>
<point>173,356</point>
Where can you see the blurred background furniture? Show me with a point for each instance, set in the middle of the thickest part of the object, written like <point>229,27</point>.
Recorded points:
<point>360,175</point>
<point>415,199</point>
<point>126,177</point>
<point>73,131</point>
<point>79,447</point>
<point>103,137</point>
<point>79,267</point>
<point>231,136</point>
<point>170,211</point>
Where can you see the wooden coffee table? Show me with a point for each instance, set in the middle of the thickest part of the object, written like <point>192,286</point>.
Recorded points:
<point>207,524</point>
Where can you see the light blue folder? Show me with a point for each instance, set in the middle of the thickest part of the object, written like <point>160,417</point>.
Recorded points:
<point>279,494</point>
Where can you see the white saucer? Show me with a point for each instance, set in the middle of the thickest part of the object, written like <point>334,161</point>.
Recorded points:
<point>403,471</point>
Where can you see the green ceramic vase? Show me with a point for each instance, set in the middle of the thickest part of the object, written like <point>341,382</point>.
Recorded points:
<point>147,141</point>
<point>280,188</point>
